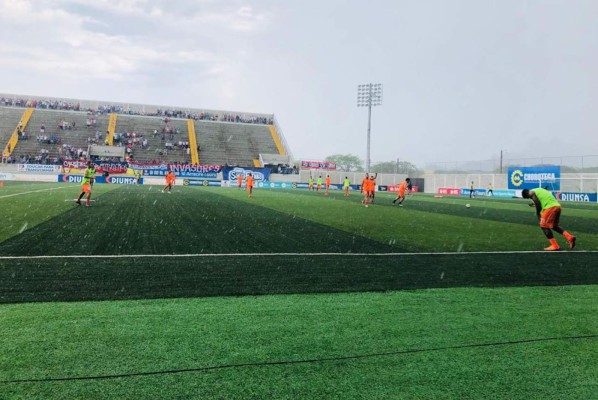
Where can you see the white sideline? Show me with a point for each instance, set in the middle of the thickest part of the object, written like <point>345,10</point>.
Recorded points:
<point>294,254</point>
<point>32,191</point>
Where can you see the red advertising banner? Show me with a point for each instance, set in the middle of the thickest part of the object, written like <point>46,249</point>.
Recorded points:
<point>395,188</point>
<point>450,191</point>
<point>305,164</point>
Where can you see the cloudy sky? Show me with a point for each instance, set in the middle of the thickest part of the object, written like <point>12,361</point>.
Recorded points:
<point>463,79</point>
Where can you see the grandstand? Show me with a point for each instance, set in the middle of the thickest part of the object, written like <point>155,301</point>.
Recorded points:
<point>153,133</point>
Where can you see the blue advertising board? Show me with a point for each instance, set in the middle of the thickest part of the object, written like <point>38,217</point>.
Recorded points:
<point>115,180</point>
<point>495,193</point>
<point>533,177</point>
<point>576,197</point>
<point>198,182</point>
<point>259,174</point>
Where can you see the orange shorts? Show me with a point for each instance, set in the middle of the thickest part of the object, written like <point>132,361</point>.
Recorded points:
<point>401,193</point>
<point>550,217</point>
<point>86,187</point>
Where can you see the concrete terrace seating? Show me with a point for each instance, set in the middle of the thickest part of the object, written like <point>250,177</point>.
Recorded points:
<point>155,149</point>
<point>76,136</point>
<point>9,119</point>
<point>233,144</point>
<point>220,143</point>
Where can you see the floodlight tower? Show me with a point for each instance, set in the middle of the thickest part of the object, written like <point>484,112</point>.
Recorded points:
<point>368,95</point>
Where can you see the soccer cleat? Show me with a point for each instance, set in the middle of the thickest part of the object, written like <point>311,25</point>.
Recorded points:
<point>552,248</point>
<point>87,205</point>
<point>571,242</point>
<point>400,205</point>
<point>78,202</point>
<point>162,191</point>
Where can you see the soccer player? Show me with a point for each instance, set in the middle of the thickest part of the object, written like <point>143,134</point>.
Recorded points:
<point>170,181</point>
<point>548,210</point>
<point>87,184</point>
<point>310,183</point>
<point>240,181</point>
<point>403,187</point>
<point>319,183</point>
<point>137,177</point>
<point>364,182</point>
<point>346,186</point>
<point>249,184</point>
<point>327,185</point>
<point>367,189</point>
<point>490,190</point>
<point>373,187</point>
<point>471,191</point>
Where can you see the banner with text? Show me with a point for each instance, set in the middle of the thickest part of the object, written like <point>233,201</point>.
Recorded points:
<point>576,197</point>
<point>306,164</point>
<point>182,170</point>
<point>259,174</point>
<point>533,177</point>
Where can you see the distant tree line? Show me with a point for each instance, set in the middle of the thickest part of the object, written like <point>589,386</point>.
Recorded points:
<point>352,163</point>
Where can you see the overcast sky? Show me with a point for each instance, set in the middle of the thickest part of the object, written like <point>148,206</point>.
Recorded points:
<point>462,79</point>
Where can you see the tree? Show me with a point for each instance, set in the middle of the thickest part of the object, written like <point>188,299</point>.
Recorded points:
<point>392,167</point>
<point>346,162</point>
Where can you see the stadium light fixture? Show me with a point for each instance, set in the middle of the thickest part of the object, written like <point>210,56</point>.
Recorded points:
<point>369,95</point>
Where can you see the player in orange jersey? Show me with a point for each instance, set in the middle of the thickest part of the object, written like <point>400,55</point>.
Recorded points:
<point>249,184</point>
<point>170,181</point>
<point>327,185</point>
<point>240,181</point>
<point>373,187</point>
<point>367,190</point>
<point>403,188</point>
<point>364,182</point>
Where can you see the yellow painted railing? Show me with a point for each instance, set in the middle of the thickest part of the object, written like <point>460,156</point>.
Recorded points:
<point>111,128</point>
<point>14,138</point>
<point>193,142</point>
<point>277,141</point>
<point>256,163</point>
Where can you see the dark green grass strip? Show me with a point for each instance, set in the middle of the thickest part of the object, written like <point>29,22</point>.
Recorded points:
<point>75,279</point>
<point>305,361</point>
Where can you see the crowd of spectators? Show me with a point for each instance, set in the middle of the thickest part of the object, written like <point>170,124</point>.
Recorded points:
<point>119,109</point>
<point>285,169</point>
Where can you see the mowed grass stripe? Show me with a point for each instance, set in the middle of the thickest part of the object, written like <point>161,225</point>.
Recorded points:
<point>34,280</point>
<point>138,219</point>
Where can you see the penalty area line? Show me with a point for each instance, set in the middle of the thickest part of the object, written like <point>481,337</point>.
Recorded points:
<point>214,255</point>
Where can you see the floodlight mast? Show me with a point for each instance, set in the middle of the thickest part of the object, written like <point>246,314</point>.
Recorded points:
<point>368,95</point>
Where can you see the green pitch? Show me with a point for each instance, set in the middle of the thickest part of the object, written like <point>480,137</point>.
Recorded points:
<point>431,300</point>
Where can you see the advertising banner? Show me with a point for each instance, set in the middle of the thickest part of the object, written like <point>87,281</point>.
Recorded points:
<point>39,168</point>
<point>533,177</point>
<point>113,167</point>
<point>180,170</point>
<point>198,182</point>
<point>116,180</point>
<point>395,188</point>
<point>259,174</point>
<point>449,191</point>
<point>576,197</point>
<point>306,164</point>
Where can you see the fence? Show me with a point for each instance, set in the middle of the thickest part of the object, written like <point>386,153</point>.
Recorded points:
<point>579,163</point>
